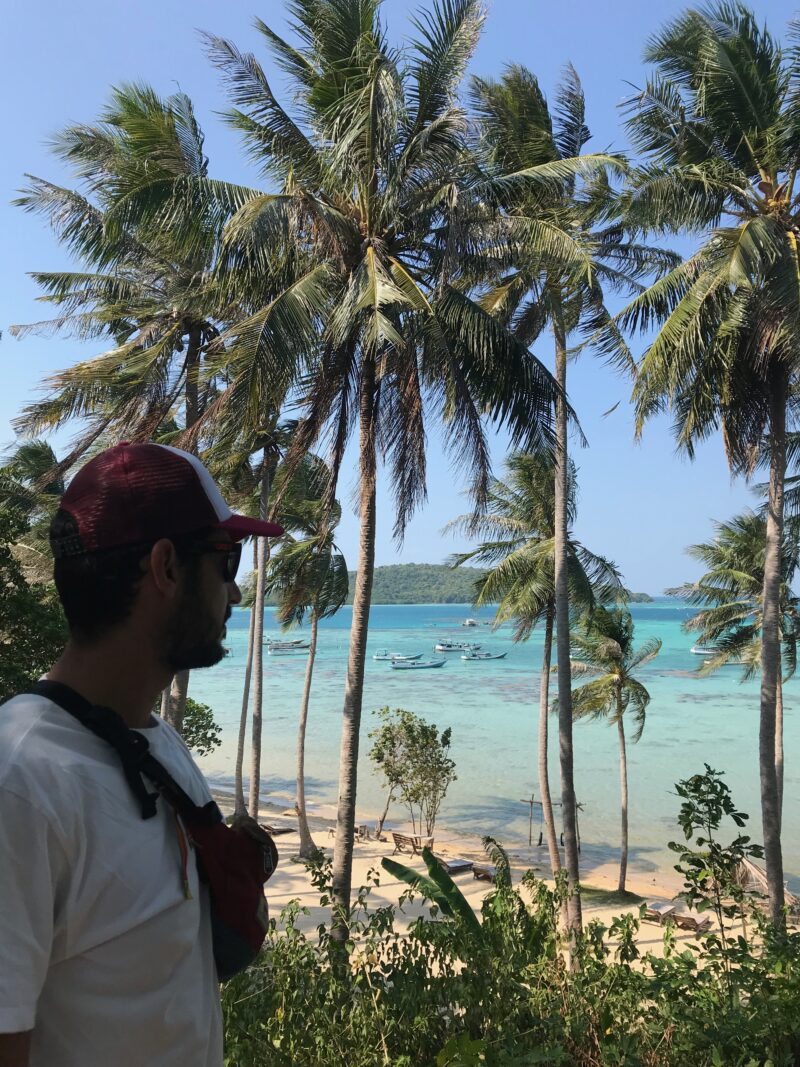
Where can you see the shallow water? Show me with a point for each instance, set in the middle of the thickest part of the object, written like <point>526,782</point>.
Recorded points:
<point>492,708</point>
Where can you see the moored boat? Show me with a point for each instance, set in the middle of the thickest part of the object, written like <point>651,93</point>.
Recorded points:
<point>456,646</point>
<point>417,665</point>
<point>395,657</point>
<point>698,650</point>
<point>484,655</point>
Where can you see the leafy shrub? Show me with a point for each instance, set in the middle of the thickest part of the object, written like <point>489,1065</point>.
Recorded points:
<point>451,993</point>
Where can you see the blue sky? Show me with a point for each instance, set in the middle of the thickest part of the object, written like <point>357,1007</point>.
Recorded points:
<point>640,504</point>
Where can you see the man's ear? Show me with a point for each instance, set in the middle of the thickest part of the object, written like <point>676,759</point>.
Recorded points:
<point>164,568</point>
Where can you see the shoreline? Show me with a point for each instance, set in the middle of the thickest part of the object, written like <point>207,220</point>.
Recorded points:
<point>599,865</point>
<point>291,881</point>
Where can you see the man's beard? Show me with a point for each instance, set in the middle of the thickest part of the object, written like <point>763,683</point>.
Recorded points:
<point>193,639</point>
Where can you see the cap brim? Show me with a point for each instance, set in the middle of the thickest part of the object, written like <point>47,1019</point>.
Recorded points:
<point>240,526</point>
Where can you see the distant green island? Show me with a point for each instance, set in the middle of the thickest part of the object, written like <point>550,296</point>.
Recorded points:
<point>421,583</point>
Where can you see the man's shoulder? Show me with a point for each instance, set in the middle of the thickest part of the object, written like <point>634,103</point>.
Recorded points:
<point>39,746</point>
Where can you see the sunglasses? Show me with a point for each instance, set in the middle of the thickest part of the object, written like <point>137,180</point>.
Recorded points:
<point>230,551</point>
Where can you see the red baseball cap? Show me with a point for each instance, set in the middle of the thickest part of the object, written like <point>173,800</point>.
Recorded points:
<point>139,493</point>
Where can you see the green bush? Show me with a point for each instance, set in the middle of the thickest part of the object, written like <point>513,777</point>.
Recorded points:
<point>33,630</point>
<point>452,992</point>
<point>201,734</point>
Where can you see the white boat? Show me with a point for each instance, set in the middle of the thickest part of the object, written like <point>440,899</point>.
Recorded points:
<point>456,646</point>
<point>287,642</point>
<point>470,622</point>
<point>288,650</point>
<point>395,657</point>
<point>697,650</point>
<point>484,655</point>
<point>417,665</point>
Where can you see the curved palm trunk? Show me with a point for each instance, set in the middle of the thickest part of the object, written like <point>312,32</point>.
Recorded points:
<point>307,846</point>
<point>544,779</point>
<point>174,708</point>
<point>771,657</point>
<point>176,703</point>
<point>623,793</point>
<point>258,655</point>
<point>240,807</point>
<point>354,687</point>
<point>571,859</point>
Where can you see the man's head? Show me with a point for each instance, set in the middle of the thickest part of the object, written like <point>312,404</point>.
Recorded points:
<point>144,535</point>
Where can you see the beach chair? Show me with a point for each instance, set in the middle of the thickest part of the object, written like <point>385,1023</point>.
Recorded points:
<point>276,831</point>
<point>453,865</point>
<point>412,843</point>
<point>484,874</point>
<point>688,922</point>
<point>658,913</point>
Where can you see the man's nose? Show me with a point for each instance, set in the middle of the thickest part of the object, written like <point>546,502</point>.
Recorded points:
<point>234,593</point>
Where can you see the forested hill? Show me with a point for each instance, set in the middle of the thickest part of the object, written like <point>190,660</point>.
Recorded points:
<point>421,583</point>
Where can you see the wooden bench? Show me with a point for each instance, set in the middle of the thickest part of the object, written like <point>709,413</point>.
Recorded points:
<point>412,843</point>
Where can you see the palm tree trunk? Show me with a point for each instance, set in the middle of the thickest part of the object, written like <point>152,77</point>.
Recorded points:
<point>571,859</point>
<point>240,807</point>
<point>771,655</point>
<point>382,820</point>
<point>258,654</point>
<point>307,846</point>
<point>354,687</point>
<point>779,749</point>
<point>176,701</point>
<point>623,792</point>
<point>176,708</point>
<point>544,779</point>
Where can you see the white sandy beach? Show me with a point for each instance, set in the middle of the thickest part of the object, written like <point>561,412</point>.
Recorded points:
<point>291,880</point>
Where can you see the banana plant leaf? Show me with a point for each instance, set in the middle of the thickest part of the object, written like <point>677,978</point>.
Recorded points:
<point>438,887</point>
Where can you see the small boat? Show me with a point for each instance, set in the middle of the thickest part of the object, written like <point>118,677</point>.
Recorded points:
<point>484,655</point>
<point>697,650</point>
<point>456,646</point>
<point>470,622</point>
<point>417,665</point>
<point>395,657</point>
<point>288,650</point>
<point>293,642</point>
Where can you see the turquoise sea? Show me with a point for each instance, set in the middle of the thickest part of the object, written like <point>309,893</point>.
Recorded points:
<point>492,708</point>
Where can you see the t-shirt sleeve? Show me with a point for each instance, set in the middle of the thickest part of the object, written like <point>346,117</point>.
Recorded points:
<point>32,866</point>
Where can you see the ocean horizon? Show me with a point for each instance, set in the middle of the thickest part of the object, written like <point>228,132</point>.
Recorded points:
<point>492,708</point>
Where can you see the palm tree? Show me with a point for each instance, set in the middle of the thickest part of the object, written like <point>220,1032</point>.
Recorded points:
<point>32,489</point>
<point>150,289</point>
<point>604,647</point>
<point>251,481</point>
<point>518,532</point>
<point>559,247</point>
<point>309,575</point>
<point>360,259</point>
<point>717,125</point>
<point>730,594</point>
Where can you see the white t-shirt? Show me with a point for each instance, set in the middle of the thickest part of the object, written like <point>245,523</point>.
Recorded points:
<point>101,954</point>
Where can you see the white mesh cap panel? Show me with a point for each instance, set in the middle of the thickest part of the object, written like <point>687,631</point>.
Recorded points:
<point>210,487</point>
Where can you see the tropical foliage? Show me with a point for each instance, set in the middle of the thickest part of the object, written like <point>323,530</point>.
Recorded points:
<point>453,988</point>
<point>717,128</point>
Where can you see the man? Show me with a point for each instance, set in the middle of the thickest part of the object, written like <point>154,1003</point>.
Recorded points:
<point>105,938</point>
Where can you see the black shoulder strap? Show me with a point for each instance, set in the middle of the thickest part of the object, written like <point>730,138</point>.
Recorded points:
<point>133,750</point>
